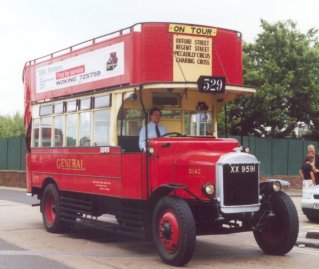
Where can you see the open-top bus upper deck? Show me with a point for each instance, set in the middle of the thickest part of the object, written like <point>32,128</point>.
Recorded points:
<point>142,53</point>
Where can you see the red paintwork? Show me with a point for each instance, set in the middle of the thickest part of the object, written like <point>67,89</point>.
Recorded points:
<point>78,169</point>
<point>188,161</point>
<point>148,58</point>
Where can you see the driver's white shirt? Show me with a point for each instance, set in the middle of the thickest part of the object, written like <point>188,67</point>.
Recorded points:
<point>151,132</point>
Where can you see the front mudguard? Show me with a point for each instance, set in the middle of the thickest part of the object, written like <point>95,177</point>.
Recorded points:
<point>266,212</point>
<point>259,218</point>
<point>267,187</point>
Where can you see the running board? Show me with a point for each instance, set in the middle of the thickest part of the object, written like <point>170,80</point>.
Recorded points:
<point>111,227</point>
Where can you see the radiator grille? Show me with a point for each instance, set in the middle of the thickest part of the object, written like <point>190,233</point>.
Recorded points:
<point>241,186</point>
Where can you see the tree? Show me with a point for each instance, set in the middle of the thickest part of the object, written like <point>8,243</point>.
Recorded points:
<point>11,126</point>
<point>283,64</point>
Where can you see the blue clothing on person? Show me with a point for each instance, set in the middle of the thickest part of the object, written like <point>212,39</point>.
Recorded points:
<point>151,132</point>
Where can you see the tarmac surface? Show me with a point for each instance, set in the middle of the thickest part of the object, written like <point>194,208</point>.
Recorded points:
<point>310,239</point>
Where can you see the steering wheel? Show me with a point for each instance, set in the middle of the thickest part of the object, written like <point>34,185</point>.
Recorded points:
<point>172,134</point>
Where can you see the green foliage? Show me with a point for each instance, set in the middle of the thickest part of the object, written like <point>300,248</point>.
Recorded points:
<point>11,126</point>
<point>283,64</point>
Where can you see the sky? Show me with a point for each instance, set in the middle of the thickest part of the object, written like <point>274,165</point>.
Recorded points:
<point>34,28</point>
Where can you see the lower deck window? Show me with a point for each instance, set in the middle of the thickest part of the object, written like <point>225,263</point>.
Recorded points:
<point>101,127</point>
<point>85,129</point>
<point>58,131</point>
<point>71,124</point>
<point>81,122</point>
<point>198,123</point>
<point>36,133</point>
<point>46,131</point>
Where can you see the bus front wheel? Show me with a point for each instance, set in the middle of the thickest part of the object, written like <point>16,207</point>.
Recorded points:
<point>279,232</point>
<point>174,230</point>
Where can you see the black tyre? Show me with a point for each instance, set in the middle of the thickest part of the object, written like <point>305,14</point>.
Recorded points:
<point>279,233</point>
<point>174,231</point>
<point>51,210</point>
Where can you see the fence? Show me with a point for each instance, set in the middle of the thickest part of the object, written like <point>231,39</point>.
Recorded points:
<point>12,153</point>
<point>277,156</point>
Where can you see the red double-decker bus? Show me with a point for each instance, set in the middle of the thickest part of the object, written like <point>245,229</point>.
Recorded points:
<point>84,109</point>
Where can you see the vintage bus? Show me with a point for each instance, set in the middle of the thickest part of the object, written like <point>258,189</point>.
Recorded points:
<point>84,109</point>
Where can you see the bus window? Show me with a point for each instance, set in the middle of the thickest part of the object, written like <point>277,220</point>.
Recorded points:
<point>102,101</point>
<point>71,127</point>
<point>198,123</point>
<point>132,122</point>
<point>58,131</point>
<point>171,114</point>
<point>58,108</point>
<point>46,110</point>
<point>172,120</point>
<point>85,129</point>
<point>36,126</point>
<point>167,99</point>
<point>71,106</point>
<point>46,131</point>
<point>85,104</point>
<point>101,127</point>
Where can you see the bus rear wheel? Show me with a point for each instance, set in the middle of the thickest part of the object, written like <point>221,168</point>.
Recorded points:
<point>51,213</point>
<point>174,231</point>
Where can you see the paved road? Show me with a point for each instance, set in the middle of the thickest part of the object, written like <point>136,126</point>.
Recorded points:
<point>11,254</point>
<point>24,243</point>
<point>16,195</point>
<point>14,257</point>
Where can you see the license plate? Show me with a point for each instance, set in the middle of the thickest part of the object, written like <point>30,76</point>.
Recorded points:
<point>316,206</point>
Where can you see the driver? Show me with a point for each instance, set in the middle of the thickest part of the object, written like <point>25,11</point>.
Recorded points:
<point>154,129</point>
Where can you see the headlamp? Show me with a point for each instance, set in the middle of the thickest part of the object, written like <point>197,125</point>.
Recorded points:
<point>276,185</point>
<point>151,150</point>
<point>208,189</point>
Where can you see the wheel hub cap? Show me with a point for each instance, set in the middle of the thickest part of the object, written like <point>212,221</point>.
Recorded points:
<point>169,231</point>
<point>50,209</point>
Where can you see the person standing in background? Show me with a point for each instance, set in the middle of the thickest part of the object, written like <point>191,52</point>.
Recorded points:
<point>307,172</point>
<point>315,163</point>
